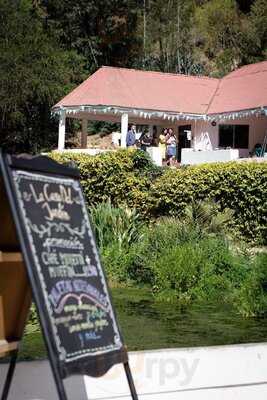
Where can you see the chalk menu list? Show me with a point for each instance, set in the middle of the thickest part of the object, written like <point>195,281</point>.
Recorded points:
<point>66,260</point>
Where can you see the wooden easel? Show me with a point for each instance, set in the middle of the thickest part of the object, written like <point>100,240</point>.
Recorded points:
<point>15,300</point>
<point>15,292</point>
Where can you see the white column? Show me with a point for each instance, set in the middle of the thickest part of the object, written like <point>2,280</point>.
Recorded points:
<point>84,134</point>
<point>61,130</point>
<point>124,129</point>
<point>194,137</point>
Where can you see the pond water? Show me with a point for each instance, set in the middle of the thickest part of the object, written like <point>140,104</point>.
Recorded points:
<point>148,324</point>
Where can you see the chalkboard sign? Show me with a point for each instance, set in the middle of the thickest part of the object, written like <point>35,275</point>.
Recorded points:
<point>67,279</point>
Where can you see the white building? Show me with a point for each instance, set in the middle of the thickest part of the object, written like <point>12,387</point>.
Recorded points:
<point>213,119</point>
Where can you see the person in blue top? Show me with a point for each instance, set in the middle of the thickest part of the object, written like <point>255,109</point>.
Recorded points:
<point>131,136</point>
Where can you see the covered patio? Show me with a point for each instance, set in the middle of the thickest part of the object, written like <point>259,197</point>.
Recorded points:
<point>194,107</point>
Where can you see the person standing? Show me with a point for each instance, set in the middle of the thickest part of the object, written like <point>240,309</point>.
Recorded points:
<point>171,147</point>
<point>162,143</point>
<point>145,140</point>
<point>131,136</point>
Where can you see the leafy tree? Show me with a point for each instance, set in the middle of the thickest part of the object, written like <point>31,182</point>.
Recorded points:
<point>104,31</point>
<point>218,25</point>
<point>258,19</point>
<point>49,46</point>
<point>168,36</point>
<point>255,34</point>
<point>211,37</point>
<point>34,74</point>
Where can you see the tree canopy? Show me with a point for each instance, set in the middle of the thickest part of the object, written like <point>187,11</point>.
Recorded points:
<point>35,73</point>
<point>47,47</point>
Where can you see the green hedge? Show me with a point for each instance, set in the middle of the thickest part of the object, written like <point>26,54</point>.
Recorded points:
<point>123,176</point>
<point>129,177</point>
<point>239,186</point>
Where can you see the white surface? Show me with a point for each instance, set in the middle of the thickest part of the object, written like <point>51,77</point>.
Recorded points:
<point>34,381</point>
<point>116,137</point>
<point>90,152</point>
<point>257,130</point>
<point>155,155</point>
<point>191,157</point>
<point>204,142</point>
<point>190,374</point>
<point>61,130</point>
<point>124,129</point>
<point>236,372</point>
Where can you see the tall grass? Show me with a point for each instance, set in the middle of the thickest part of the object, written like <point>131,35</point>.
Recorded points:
<point>185,260</point>
<point>115,224</point>
<point>250,298</point>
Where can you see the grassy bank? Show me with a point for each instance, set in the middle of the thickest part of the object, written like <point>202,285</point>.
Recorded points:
<point>187,260</point>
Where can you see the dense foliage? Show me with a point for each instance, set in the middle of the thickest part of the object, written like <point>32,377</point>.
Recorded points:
<point>241,187</point>
<point>120,224</point>
<point>184,260</point>
<point>103,31</point>
<point>121,176</point>
<point>34,73</point>
<point>129,177</point>
<point>49,46</point>
<point>209,37</point>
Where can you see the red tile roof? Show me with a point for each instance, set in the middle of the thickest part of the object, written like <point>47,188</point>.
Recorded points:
<point>242,89</point>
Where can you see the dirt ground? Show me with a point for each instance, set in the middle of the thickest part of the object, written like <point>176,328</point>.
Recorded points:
<point>104,142</point>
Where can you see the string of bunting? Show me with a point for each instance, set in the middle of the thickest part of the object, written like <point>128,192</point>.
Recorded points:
<point>257,112</point>
<point>170,116</point>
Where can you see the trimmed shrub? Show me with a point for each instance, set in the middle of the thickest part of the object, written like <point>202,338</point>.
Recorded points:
<point>241,187</point>
<point>123,176</point>
<point>129,177</point>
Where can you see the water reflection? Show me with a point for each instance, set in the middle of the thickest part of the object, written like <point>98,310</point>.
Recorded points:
<point>148,324</point>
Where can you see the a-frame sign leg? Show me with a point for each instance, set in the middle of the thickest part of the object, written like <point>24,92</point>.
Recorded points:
<point>60,387</point>
<point>130,381</point>
<point>58,380</point>
<point>10,373</point>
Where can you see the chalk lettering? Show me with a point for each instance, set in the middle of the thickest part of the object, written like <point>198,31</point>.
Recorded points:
<point>71,259</point>
<point>49,258</point>
<point>60,288</point>
<point>63,196</point>
<point>72,243</point>
<point>61,272</point>
<point>58,212</point>
<point>69,275</point>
